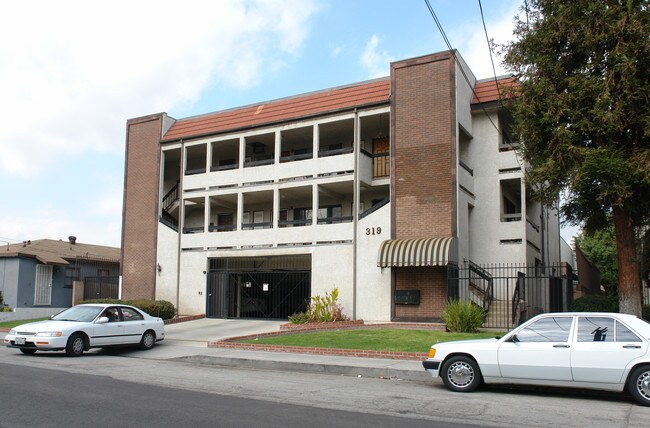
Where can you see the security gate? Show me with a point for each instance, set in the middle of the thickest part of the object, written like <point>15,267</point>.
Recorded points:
<point>258,287</point>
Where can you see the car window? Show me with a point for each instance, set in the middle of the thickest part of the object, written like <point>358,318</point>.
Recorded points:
<point>604,329</point>
<point>79,314</point>
<point>624,334</point>
<point>112,314</point>
<point>596,329</point>
<point>552,329</point>
<point>131,314</point>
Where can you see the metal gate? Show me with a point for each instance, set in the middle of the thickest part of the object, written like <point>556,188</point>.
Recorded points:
<point>512,293</point>
<point>258,287</point>
<point>43,285</point>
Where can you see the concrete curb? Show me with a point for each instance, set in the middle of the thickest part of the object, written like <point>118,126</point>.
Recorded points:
<point>292,366</point>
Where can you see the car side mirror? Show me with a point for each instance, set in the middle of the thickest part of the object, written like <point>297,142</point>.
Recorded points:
<point>513,338</point>
<point>102,320</point>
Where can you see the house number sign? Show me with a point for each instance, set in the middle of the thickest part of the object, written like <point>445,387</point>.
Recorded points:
<point>373,230</point>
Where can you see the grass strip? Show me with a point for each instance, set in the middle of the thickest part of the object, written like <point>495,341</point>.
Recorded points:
<point>395,340</point>
<point>14,323</point>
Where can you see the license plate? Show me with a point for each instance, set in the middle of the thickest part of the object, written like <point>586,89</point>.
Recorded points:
<point>20,340</point>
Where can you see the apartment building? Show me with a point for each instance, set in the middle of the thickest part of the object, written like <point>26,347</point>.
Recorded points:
<point>382,189</point>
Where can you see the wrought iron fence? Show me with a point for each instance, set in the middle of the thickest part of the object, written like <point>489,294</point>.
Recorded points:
<point>512,293</point>
<point>101,287</point>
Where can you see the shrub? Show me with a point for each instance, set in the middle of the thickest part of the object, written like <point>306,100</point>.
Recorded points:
<point>4,308</point>
<point>595,303</point>
<point>321,309</point>
<point>155,308</point>
<point>463,316</point>
<point>299,318</point>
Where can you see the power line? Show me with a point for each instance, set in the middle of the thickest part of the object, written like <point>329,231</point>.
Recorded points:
<point>460,66</point>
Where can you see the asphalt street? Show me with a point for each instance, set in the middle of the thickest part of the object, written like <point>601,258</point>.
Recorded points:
<point>184,365</point>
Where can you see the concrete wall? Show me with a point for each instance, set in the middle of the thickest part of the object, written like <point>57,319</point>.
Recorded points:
<point>485,228</point>
<point>9,269</point>
<point>167,259</point>
<point>373,283</point>
<point>29,313</point>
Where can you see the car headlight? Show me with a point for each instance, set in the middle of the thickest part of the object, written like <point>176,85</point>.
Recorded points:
<point>12,332</point>
<point>432,352</point>
<point>49,334</point>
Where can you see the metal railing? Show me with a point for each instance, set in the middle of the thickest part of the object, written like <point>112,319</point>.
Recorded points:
<point>512,293</point>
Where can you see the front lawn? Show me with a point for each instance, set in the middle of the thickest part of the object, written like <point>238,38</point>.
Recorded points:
<point>12,324</point>
<point>386,339</point>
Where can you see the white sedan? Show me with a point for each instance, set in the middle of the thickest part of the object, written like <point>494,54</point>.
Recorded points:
<point>605,351</point>
<point>82,327</point>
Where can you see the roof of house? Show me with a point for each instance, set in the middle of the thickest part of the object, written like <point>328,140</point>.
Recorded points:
<point>491,90</point>
<point>315,103</point>
<point>50,251</point>
<point>326,101</point>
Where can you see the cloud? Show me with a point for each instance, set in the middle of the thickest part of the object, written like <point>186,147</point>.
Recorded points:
<point>376,63</point>
<point>470,41</point>
<point>71,73</point>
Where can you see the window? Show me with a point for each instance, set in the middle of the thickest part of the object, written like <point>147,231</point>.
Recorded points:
<point>103,272</point>
<point>302,216</point>
<point>553,329</point>
<point>131,314</point>
<point>330,214</point>
<point>510,200</point>
<point>71,275</point>
<point>604,329</point>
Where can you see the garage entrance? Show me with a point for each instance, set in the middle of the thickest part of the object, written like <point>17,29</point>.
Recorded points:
<point>272,287</point>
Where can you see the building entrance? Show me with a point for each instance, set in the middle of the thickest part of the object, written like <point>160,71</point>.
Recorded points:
<point>273,287</point>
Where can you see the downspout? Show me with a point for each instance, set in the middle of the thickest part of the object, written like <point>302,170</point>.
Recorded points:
<point>181,221</point>
<point>355,213</point>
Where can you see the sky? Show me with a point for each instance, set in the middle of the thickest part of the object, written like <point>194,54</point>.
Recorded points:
<point>73,72</point>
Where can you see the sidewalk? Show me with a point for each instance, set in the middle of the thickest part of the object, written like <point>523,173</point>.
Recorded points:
<point>188,343</point>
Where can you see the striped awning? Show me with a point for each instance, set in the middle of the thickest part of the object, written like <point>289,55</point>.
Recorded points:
<point>418,252</point>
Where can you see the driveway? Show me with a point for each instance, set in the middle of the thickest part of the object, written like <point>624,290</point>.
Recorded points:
<point>202,331</point>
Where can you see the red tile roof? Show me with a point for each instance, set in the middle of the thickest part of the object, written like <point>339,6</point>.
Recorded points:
<point>348,97</point>
<point>487,91</point>
<point>331,100</point>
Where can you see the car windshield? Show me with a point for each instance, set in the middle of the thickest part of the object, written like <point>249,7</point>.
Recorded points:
<point>79,314</point>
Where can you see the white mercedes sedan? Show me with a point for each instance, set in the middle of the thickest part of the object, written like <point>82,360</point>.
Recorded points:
<point>82,327</point>
<point>605,351</point>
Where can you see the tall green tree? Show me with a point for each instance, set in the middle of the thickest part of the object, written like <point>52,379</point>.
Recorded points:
<point>583,117</point>
<point>600,249</point>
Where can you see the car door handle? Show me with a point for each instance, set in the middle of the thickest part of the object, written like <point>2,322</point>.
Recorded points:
<point>561,346</point>
<point>632,346</point>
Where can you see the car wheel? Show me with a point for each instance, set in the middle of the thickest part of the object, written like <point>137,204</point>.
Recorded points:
<point>148,340</point>
<point>75,345</point>
<point>461,374</point>
<point>28,351</point>
<point>639,385</point>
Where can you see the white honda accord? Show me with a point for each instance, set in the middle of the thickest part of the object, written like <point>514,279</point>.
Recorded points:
<point>82,327</point>
<point>604,351</point>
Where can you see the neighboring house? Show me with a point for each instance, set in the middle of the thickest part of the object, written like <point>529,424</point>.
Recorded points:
<point>41,273</point>
<point>399,191</point>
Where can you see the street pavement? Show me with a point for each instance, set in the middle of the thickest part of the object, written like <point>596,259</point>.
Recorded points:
<point>188,342</point>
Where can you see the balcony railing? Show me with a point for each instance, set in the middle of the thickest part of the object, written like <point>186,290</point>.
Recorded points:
<point>335,220</point>
<point>333,152</point>
<point>511,217</point>
<point>374,208</point>
<point>380,163</point>
<point>294,223</point>
<point>222,228</point>
<point>170,197</point>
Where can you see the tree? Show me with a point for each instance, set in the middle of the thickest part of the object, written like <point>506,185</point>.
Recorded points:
<point>600,249</point>
<point>583,119</point>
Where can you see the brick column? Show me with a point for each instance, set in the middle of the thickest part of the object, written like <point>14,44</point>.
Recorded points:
<point>423,170</point>
<point>140,210</point>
